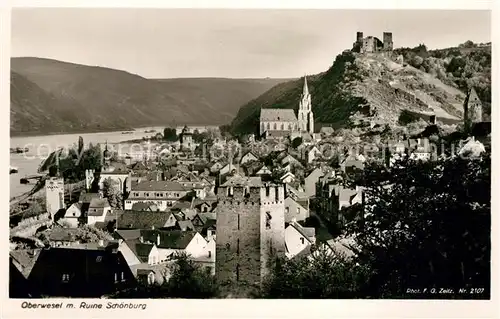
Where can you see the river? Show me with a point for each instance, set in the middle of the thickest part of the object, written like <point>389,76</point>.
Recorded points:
<point>41,146</point>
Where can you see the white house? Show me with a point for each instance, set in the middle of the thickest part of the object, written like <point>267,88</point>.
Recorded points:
<point>73,215</point>
<point>311,180</point>
<point>298,239</point>
<point>294,210</point>
<point>164,194</point>
<point>311,153</point>
<point>263,171</point>
<point>288,177</point>
<point>98,210</point>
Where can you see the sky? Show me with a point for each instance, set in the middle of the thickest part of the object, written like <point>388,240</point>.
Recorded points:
<point>244,43</point>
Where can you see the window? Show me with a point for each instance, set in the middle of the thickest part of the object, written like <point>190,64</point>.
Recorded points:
<point>230,191</point>
<point>238,246</point>
<point>268,220</point>
<point>302,240</point>
<point>287,210</point>
<point>65,277</point>
<point>268,126</point>
<point>116,277</point>
<point>275,126</point>
<point>209,254</point>
<point>238,221</point>
<point>123,276</point>
<point>74,214</point>
<point>282,126</point>
<point>237,272</point>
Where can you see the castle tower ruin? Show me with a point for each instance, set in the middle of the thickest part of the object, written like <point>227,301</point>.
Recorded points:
<point>388,45</point>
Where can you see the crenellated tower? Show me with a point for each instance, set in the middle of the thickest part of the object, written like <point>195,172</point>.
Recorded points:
<point>250,229</point>
<point>305,114</point>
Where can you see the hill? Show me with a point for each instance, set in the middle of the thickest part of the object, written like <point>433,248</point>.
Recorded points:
<point>363,89</point>
<point>49,96</point>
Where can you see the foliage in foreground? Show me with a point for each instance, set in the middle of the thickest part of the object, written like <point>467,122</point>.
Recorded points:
<point>324,276</point>
<point>426,225</point>
<point>188,280</point>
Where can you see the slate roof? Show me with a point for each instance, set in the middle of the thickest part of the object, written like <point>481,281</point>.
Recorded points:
<point>87,197</point>
<point>141,250</point>
<point>63,234</point>
<point>285,115</point>
<point>25,259</point>
<point>185,225</point>
<point>144,206</point>
<point>99,203</point>
<point>143,219</point>
<point>158,186</point>
<point>243,181</point>
<point>173,239</point>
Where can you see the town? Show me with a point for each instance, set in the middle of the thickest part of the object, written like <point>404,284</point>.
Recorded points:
<point>224,207</point>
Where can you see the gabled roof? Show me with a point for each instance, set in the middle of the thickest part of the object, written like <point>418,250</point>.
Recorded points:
<point>346,194</point>
<point>173,239</point>
<point>285,115</point>
<point>63,234</point>
<point>243,181</point>
<point>185,225</point>
<point>87,197</point>
<point>158,186</point>
<point>143,219</point>
<point>25,259</point>
<point>141,250</point>
<point>99,203</point>
<point>306,232</point>
<point>144,206</point>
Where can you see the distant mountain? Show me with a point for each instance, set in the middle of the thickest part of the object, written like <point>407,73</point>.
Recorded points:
<point>371,89</point>
<point>50,96</point>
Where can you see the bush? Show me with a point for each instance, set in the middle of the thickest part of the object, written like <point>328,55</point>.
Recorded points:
<point>407,117</point>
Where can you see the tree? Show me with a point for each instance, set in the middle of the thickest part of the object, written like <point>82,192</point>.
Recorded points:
<point>112,192</point>
<point>296,142</point>
<point>189,280</point>
<point>80,145</point>
<point>170,134</point>
<point>425,225</point>
<point>327,275</point>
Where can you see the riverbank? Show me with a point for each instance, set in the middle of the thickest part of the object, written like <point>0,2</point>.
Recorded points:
<point>89,131</point>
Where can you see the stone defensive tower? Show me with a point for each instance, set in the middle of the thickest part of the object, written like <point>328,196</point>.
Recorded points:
<point>473,109</point>
<point>54,192</point>
<point>250,229</point>
<point>388,45</point>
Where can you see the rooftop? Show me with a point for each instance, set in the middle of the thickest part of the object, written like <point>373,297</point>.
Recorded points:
<point>285,115</point>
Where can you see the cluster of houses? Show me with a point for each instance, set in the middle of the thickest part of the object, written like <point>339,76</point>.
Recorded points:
<point>155,208</point>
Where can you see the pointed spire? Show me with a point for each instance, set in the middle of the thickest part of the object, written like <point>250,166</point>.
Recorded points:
<point>305,91</point>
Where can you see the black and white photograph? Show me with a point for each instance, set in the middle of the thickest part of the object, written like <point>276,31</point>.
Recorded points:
<point>218,153</point>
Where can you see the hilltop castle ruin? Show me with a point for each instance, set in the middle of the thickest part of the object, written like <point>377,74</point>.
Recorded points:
<point>372,44</point>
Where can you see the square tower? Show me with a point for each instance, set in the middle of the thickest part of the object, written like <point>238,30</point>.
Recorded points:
<point>388,45</point>
<point>473,109</point>
<point>250,228</point>
<point>54,192</point>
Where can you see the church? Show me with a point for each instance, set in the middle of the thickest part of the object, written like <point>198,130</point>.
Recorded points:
<point>283,122</point>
